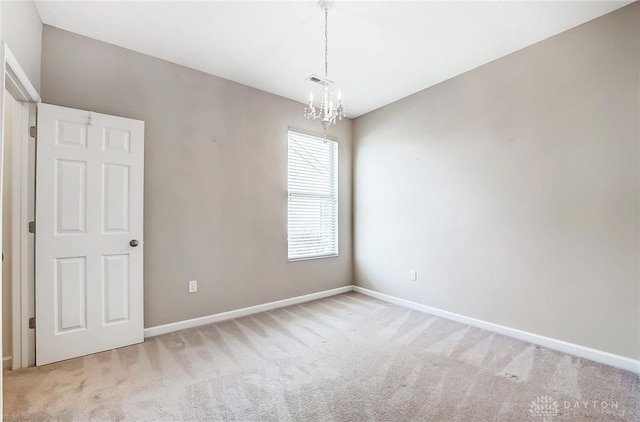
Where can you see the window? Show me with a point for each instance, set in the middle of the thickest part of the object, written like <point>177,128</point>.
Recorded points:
<point>313,197</point>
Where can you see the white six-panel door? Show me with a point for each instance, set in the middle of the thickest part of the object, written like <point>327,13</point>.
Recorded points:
<point>89,214</point>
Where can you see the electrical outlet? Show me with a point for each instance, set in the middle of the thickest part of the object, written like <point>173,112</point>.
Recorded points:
<point>193,286</point>
<point>413,274</point>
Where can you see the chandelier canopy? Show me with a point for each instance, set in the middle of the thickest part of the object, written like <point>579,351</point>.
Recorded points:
<point>330,109</point>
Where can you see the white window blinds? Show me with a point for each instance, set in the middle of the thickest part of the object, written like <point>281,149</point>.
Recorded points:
<point>313,197</point>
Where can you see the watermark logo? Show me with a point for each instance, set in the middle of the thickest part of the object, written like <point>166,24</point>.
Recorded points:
<point>544,408</point>
<point>595,409</point>
<point>547,409</point>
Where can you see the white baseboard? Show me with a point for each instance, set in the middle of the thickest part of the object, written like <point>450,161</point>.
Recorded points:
<point>196,322</point>
<point>599,356</point>
<point>6,362</point>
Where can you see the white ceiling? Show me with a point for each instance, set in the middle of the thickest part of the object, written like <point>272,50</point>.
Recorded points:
<point>379,52</point>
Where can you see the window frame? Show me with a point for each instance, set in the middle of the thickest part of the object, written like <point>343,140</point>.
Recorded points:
<point>335,174</point>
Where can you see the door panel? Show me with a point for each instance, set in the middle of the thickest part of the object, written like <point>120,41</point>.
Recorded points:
<point>116,140</point>
<point>71,294</point>
<point>71,134</point>
<point>116,285</point>
<point>70,197</point>
<point>116,198</point>
<point>89,202</point>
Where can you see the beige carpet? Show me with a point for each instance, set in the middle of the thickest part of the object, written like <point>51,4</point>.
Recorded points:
<point>344,358</point>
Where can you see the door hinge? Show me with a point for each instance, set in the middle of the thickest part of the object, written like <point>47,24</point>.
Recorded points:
<point>32,323</point>
<point>32,226</point>
<point>33,131</point>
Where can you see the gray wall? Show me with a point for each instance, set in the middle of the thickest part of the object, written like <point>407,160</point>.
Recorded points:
<point>513,190</point>
<point>215,177</point>
<point>22,31</point>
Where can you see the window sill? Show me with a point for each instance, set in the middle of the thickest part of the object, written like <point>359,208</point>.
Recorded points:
<point>312,257</point>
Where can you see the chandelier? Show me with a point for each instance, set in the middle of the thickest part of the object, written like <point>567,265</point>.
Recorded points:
<point>330,109</point>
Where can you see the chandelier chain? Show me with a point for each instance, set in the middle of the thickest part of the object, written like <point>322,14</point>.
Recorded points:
<point>326,45</point>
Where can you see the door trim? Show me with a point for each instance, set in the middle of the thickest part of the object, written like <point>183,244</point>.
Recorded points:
<point>21,89</point>
<point>22,277</point>
<point>16,80</point>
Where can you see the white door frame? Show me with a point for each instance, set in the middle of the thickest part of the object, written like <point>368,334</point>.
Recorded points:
<point>23,247</point>
<point>15,80</point>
